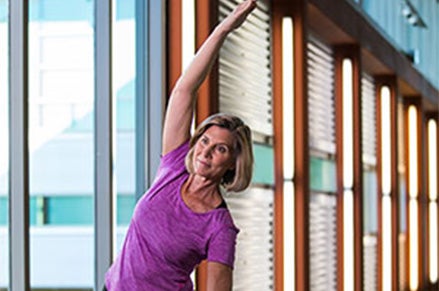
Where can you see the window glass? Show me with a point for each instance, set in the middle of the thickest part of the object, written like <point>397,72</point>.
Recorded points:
<point>370,202</point>
<point>402,197</point>
<point>4,142</point>
<point>323,175</point>
<point>264,161</point>
<point>124,70</point>
<point>61,144</point>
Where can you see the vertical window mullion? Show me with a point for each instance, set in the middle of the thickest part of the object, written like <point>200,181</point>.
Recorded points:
<point>156,81</point>
<point>150,90</point>
<point>104,190</point>
<point>19,160</point>
<point>141,79</point>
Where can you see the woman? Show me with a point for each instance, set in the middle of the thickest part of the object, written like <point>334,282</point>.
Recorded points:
<point>183,218</point>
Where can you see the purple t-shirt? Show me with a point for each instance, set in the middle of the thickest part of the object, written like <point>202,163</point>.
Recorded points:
<point>166,240</point>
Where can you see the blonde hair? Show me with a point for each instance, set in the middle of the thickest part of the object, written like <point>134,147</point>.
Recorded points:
<point>240,177</point>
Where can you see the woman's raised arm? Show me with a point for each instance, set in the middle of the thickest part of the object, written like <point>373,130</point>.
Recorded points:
<point>183,96</point>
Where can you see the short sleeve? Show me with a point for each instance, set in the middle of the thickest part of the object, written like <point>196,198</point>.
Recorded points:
<point>179,153</point>
<point>172,165</point>
<point>174,159</point>
<point>222,246</point>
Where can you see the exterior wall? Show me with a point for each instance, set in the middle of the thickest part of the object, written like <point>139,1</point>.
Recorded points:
<point>422,42</point>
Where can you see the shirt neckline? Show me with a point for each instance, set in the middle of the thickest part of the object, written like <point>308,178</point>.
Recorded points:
<point>187,208</point>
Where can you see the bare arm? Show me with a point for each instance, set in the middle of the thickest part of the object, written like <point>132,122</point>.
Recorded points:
<point>183,97</point>
<point>219,277</point>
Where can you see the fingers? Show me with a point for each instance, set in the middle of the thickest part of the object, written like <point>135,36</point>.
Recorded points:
<point>251,4</point>
<point>246,7</point>
<point>239,14</point>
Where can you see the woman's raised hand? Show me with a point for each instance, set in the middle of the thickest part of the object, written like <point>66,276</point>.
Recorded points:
<point>239,14</point>
<point>179,113</point>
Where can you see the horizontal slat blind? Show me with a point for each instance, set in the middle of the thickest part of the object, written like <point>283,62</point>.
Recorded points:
<point>401,142</point>
<point>252,211</point>
<point>245,69</point>
<point>322,206</point>
<point>368,142</point>
<point>402,197</point>
<point>245,90</point>
<point>368,115</point>
<point>370,262</point>
<point>402,261</point>
<point>321,97</point>
<point>323,242</point>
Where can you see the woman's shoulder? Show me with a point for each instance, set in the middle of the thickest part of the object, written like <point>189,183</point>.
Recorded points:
<point>177,153</point>
<point>171,170</point>
<point>174,160</point>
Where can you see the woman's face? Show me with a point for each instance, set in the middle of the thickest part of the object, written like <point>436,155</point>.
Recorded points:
<point>213,153</point>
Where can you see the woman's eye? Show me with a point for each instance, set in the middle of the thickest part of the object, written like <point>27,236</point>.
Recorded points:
<point>204,140</point>
<point>222,149</point>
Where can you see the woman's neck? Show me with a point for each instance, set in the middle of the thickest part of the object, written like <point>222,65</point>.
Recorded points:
<point>200,194</point>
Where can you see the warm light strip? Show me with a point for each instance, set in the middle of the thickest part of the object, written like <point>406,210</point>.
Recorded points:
<point>348,240</point>
<point>289,231</point>
<point>387,243</point>
<point>413,241</point>
<point>385,141</point>
<point>288,152</point>
<point>348,129</point>
<point>288,97</point>
<point>187,32</point>
<point>432,160</point>
<point>433,241</point>
<point>386,182</point>
<point>433,235</point>
<point>413,151</point>
<point>187,55</point>
<point>348,178</point>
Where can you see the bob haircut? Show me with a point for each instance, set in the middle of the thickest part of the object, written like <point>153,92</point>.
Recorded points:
<point>239,178</point>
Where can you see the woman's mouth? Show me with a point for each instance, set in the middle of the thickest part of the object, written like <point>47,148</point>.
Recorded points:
<point>204,163</point>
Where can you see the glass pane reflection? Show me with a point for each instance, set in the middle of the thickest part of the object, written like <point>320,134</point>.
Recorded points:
<point>124,102</point>
<point>61,137</point>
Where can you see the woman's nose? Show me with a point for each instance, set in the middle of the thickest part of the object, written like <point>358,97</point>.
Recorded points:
<point>207,151</point>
